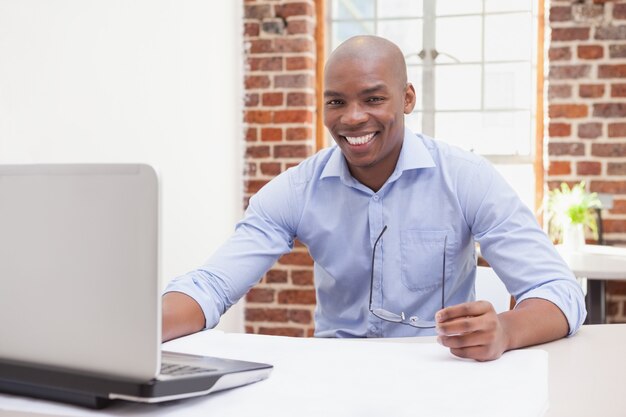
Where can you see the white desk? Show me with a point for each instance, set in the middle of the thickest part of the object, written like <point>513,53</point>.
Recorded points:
<point>586,374</point>
<point>598,264</point>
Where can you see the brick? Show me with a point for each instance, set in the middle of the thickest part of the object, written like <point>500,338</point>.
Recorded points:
<point>258,116</point>
<point>568,110</point>
<point>298,133</point>
<point>253,186</point>
<point>566,72</point>
<point>271,134</point>
<point>619,11</point>
<point>617,51</point>
<point>609,110</point>
<point>616,168</point>
<point>294,45</point>
<point>300,99</point>
<point>249,169</point>
<point>588,168</point>
<point>267,314</point>
<point>282,331</point>
<point>557,149</point>
<point>249,329</point>
<point>261,46</point>
<point>570,34</point>
<point>294,9</point>
<point>300,26</point>
<point>273,169</point>
<point>274,63</point>
<point>617,130</point>
<point>300,316</point>
<point>297,297</point>
<point>251,29</point>
<point>589,130</point>
<point>610,32</point>
<point>608,149</point>
<point>294,81</point>
<point>273,27</point>
<point>612,71</point>
<point>610,187</point>
<point>619,207</point>
<point>560,13</point>
<point>292,151</point>
<point>257,11</point>
<point>273,99</point>
<point>302,277</point>
<point>300,63</point>
<point>257,81</point>
<point>559,91</point>
<point>590,51</point>
<point>618,90</point>
<point>559,129</point>
<point>260,295</point>
<point>293,116</point>
<point>251,100</point>
<point>257,151</point>
<point>563,53</point>
<point>614,226</point>
<point>296,258</point>
<point>251,134</point>
<point>591,90</point>
<point>559,168</point>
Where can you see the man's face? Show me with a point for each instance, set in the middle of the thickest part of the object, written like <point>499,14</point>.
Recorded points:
<point>364,107</point>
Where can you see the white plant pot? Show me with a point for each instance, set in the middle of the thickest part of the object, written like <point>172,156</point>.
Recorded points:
<point>573,237</point>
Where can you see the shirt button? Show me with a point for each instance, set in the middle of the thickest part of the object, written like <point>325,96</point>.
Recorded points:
<point>376,285</point>
<point>376,198</point>
<point>373,329</point>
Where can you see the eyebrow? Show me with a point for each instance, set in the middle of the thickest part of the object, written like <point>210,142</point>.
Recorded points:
<point>374,89</point>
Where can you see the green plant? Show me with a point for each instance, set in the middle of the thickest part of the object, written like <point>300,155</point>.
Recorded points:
<point>567,206</point>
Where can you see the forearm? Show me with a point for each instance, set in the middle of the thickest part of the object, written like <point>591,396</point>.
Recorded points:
<point>182,315</point>
<point>532,322</point>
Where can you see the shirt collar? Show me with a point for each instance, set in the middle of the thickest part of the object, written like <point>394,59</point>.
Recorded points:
<point>413,155</point>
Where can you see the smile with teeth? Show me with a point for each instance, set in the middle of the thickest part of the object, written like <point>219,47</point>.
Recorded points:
<point>360,140</point>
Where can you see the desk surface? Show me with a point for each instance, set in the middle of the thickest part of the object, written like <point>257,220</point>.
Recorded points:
<point>596,262</point>
<point>586,373</point>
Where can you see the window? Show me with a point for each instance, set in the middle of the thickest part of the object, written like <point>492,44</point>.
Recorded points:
<point>472,63</point>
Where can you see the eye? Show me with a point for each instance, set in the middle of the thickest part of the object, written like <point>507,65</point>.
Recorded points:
<point>375,99</point>
<point>334,102</point>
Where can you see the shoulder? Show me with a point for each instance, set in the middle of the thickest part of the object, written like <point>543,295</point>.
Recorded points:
<point>311,168</point>
<point>451,158</point>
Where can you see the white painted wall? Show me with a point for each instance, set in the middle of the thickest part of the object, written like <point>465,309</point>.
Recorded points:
<point>156,81</point>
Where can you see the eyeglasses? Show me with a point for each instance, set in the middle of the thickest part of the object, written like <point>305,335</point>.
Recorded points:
<point>401,318</point>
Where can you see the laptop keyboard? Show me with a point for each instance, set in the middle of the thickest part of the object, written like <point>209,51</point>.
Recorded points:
<point>174,369</point>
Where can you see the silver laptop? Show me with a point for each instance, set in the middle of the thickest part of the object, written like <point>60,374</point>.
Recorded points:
<point>80,317</point>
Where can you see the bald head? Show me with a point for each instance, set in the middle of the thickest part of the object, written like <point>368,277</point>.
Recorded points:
<point>366,49</point>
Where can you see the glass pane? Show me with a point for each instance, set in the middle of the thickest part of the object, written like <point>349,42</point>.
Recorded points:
<point>522,178</point>
<point>400,8</point>
<point>353,9</point>
<point>453,47</point>
<point>450,7</point>
<point>413,121</point>
<point>492,133</point>
<point>407,34</point>
<point>345,30</point>
<point>509,37</point>
<point>508,5</point>
<point>508,86</point>
<point>457,87</point>
<point>414,76</point>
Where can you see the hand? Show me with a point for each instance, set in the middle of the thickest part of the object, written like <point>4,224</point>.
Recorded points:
<point>472,330</point>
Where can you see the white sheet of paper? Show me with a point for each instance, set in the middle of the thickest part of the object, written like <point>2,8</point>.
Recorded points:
<point>330,377</point>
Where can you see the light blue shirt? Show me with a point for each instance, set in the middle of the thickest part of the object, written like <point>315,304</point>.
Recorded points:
<point>437,193</point>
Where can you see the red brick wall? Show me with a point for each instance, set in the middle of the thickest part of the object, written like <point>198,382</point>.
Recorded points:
<point>587,110</point>
<point>280,117</point>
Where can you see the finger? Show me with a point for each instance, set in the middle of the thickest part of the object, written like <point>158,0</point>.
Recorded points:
<point>479,353</point>
<point>467,340</point>
<point>473,308</point>
<point>468,324</point>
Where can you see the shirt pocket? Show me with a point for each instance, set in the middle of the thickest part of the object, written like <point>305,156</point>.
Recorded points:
<point>422,259</point>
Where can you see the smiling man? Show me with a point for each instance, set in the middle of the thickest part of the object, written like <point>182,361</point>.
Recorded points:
<point>391,219</point>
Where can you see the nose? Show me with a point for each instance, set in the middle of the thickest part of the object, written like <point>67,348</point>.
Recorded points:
<point>353,115</point>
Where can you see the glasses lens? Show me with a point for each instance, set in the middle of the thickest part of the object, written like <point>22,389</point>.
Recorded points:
<point>423,324</point>
<point>387,315</point>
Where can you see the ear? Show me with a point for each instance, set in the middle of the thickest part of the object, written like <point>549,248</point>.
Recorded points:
<point>409,98</point>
